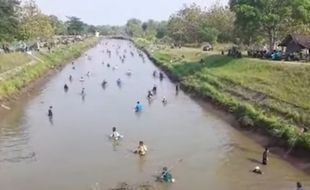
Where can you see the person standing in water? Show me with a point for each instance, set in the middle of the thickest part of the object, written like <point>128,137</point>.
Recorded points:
<point>115,135</point>
<point>83,92</point>
<point>299,186</point>
<point>149,94</point>
<point>164,100</point>
<point>50,112</point>
<point>138,107</point>
<point>265,156</point>
<point>154,89</point>
<point>166,176</point>
<point>141,150</point>
<point>66,88</point>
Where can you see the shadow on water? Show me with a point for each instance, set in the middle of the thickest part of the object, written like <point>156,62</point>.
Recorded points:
<point>253,160</point>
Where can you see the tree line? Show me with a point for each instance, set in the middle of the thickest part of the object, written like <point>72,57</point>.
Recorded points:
<point>248,22</point>
<point>245,22</point>
<point>25,21</point>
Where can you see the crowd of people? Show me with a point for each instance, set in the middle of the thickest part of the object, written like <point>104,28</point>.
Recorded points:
<point>165,176</point>
<point>141,150</point>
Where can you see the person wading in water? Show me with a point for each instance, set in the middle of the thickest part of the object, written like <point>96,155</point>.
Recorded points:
<point>141,149</point>
<point>50,112</point>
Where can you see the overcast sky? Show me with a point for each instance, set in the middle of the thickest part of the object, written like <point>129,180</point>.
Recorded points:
<point>117,12</point>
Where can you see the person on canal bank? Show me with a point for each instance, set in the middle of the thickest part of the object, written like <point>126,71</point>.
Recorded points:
<point>154,73</point>
<point>141,149</point>
<point>70,78</point>
<point>115,135</point>
<point>257,170</point>
<point>265,156</point>
<point>138,107</point>
<point>50,111</point>
<point>166,176</point>
<point>299,186</point>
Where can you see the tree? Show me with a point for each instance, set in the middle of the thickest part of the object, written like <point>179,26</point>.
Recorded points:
<point>176,29</point>
<point>134,28</point>
<point>162,29</point>
<point>58,25</point>
<point>262,17</point>
<point>144,26</point>
<point>38,26</point>
<point>301,10</point>
<point>91,29</point>
<point>222,19</point>
<point>185,25</point>
<point>34,24</point>
<point>209,34</point>
<point>29,9</point>
<point>8,19</point>
<point>75,26</point>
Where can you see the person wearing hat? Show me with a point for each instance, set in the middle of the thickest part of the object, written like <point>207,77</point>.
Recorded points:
<point>166,176</point>
<point>257,170</point>
<point>141,150</point>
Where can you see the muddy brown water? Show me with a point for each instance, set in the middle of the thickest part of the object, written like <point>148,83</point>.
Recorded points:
<point>74,152</point>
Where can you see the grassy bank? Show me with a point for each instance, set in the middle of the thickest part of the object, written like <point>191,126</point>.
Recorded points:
<point>12,85</point>
<point>9,61</point>
<point>266,95</point>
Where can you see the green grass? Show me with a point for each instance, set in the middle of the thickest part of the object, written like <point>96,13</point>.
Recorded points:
<point>55,59</point>
<point>289,83</point>
<point>184,53</point>
<point>239,84</point>
<point>12,60</point>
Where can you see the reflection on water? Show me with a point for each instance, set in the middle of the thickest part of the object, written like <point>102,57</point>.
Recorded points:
<point>73,148</point>
<point>14,138</point>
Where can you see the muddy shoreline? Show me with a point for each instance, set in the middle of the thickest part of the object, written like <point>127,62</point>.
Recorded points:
<point>298,157</point>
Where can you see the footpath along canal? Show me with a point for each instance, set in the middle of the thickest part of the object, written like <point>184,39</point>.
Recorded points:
<point>73,151</point>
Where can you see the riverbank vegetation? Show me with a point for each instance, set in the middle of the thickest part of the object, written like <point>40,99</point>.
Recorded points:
<point>29,48</point>
<point>20,79</point>
<point>24,21</point>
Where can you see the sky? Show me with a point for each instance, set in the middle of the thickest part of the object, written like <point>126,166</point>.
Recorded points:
<point>117,12</point>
